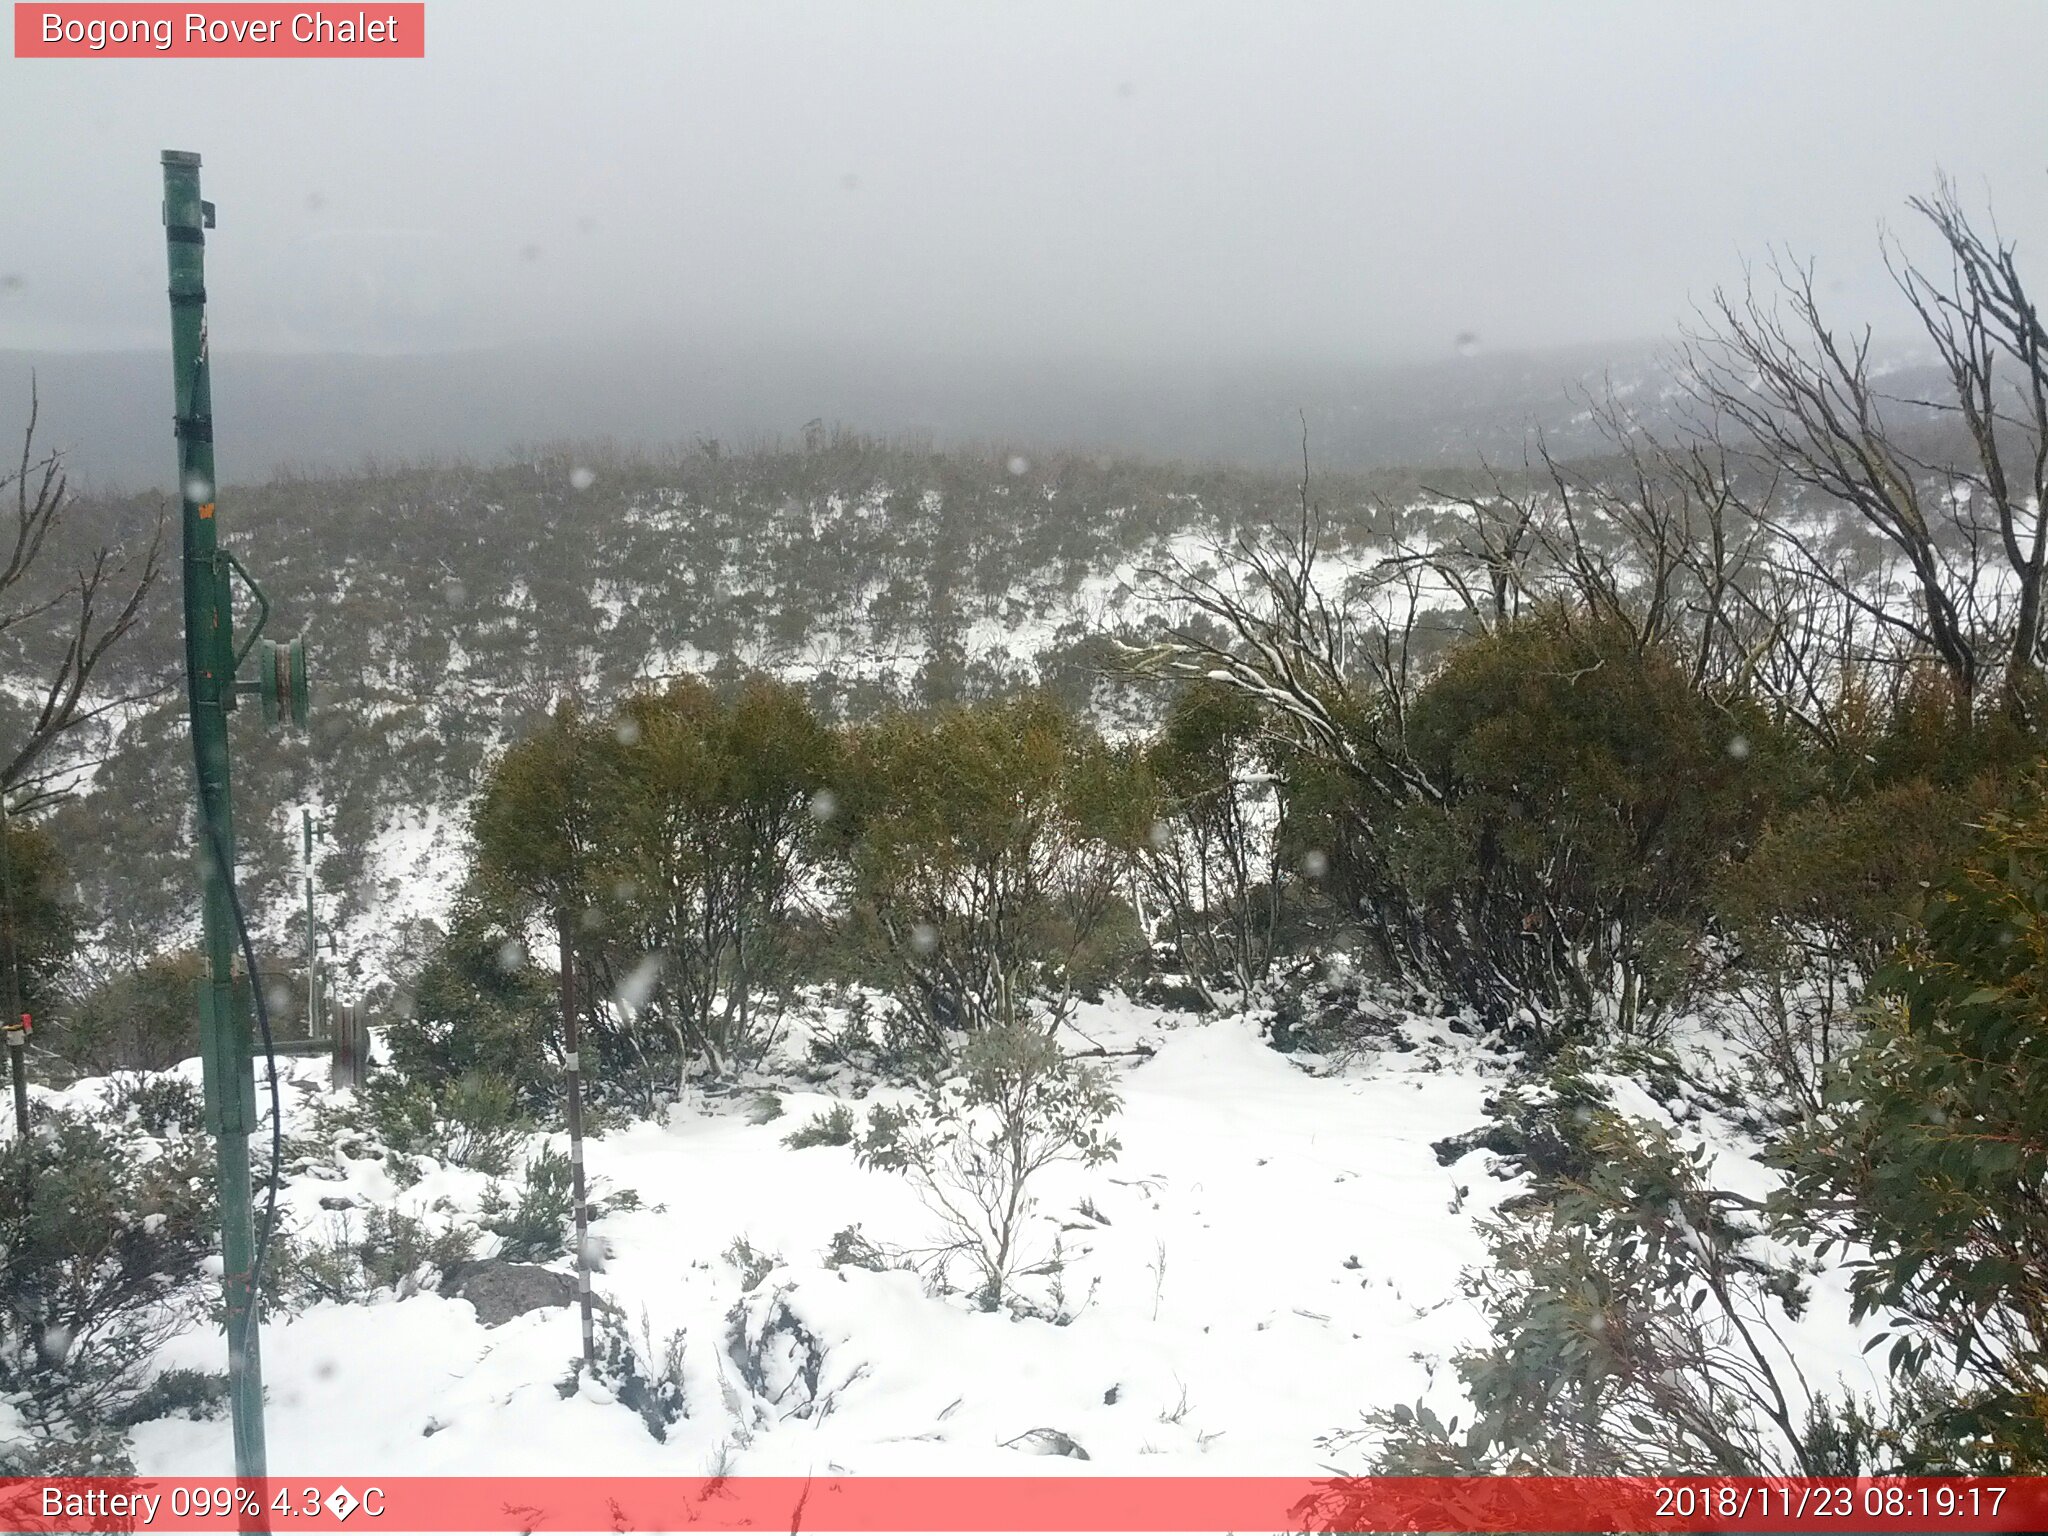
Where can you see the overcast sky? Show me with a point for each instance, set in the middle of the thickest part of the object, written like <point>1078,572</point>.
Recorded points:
<point>1341,181</point>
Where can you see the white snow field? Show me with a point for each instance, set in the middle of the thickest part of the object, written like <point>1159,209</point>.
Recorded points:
<point>1275,1249</point>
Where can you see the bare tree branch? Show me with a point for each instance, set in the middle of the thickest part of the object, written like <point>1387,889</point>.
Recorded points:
<point>104,596</point>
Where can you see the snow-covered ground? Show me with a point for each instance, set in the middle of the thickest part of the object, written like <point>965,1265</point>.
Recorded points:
<point>1275,1248</point>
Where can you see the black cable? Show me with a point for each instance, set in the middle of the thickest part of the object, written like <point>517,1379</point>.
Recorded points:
<point>227,878</point>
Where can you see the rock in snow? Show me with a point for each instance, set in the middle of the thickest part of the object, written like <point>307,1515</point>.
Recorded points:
<point>501,1291</point>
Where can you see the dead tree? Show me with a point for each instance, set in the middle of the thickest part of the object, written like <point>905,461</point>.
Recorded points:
<point>1262,622</point>
<point>63,629</point>
<point>1332,666</point>
<point>1657,540</point>
<point>1485,559</point>
<point>1657,553</point>
<point>1965,522</point>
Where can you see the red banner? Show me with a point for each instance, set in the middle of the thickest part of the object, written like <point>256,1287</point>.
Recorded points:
<point>238,31</point>
<point>1008,1504</point>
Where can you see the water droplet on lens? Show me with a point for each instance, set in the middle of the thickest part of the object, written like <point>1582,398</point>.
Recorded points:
<point>638,985</point>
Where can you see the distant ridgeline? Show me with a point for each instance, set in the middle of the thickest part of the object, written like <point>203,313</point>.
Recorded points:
<point>333,411</point>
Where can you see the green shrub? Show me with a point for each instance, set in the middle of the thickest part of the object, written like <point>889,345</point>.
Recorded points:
<point>1929,1158</point>
<point>178,1393</point>
<point>533,1226</point>
<point>102,1241</point>
<point>307,1268</point>
<point>644,1376</point>
<point>160,1104</point>
<point>395,1253</point>
<point>887,1040</point>
<point>1820,903</point>
<point>832,1127</point>
<point>1583,794</point>
<point>144,1019</point>
<point>1918,730</point>
<point>479,1006</point>
<point>473,1122</point>
<point>1548,1129</point>
<point>1635,1318</point>
<point>975,1144</point>
<point>40,1455</point>
<point>44,920</point>
<point>1836,885</point>
<point>850,1250</point>
<point>399,1249</point>
<point>754,1265</point>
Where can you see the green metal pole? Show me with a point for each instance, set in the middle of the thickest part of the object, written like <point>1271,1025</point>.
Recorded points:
<point>312,937</point>
<point>209,669</point>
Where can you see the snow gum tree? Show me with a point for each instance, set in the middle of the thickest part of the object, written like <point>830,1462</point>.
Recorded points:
<point>1585,794</point>
<point>671,840</point>
<point>706,848</point>
<point>479,1006</point>
<point>1207,864</point>
<point>1513,800</point>
<point>983,852</point>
